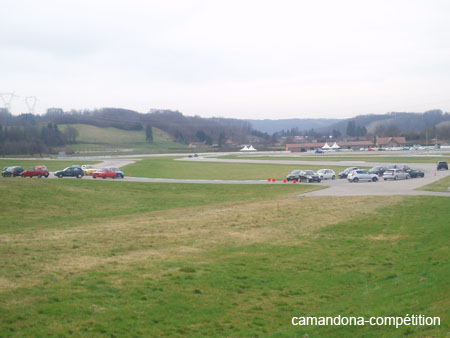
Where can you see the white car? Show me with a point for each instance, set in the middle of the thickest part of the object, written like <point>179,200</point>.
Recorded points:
<point>361,175</point>
<point>326,174</point>
<point>396,174</point>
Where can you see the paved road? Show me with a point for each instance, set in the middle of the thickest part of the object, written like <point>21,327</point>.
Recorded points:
<point>335,187</point>
<point>344,188</point>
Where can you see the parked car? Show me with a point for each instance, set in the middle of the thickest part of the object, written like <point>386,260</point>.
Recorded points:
<point>308,176</point>
<point>12,171</point>
<point>319,151</point>
<point>70,172</point>
<point>395,174</point>
<point>343,174</point>
<point>377,170</point>
<point>104,173</point>
<point>37,171</point>
<point>326,174</point>
<point>361,175</point>
<point>119,173</point>
<point>88,169</point>
<point>294,175</point>
<point>442,165</point>
<point>415,173</point>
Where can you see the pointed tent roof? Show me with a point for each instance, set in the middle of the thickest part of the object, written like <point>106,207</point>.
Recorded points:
<point>326,146</point>
<point>251,148</point>
<point>244,149</point>
<point>335,146</point>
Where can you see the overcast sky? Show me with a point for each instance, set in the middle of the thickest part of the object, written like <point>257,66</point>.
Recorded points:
<point>243,59</point>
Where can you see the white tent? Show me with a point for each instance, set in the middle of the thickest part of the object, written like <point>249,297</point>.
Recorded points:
<point>335,146</point>
<point>248,148</point>
<point>326,146</point>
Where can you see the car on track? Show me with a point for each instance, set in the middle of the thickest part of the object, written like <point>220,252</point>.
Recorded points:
<point>355,176</point>
<point>12,171</point>
<point>414,173</point>
<point>319,151</point>
<point>442,165</point>
<point>378,170</point>
<point>36,171</point>
<point>70,172</point>
<point>396,174</point>
<point>104,173</point>
<point>119,173</point>
<point>308,176</point>
<point>88,169</point>
<point>343,174</point>
<point>293,176</point>
<point>326,174</point>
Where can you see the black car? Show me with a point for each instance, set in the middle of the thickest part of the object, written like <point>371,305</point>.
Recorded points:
<point>344,174</point>
<point>294,175</point>
<point>413,173</point>
<point>442,165</point>
<point>308,176</point>
<point>377,170</point>
<point>12,171</point>
<point>70,172</point>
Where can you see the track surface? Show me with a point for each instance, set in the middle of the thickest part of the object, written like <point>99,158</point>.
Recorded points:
<point>335,187</point>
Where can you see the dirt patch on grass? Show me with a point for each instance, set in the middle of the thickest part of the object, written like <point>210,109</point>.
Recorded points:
<point>382,237</point>
<point>147,238</point>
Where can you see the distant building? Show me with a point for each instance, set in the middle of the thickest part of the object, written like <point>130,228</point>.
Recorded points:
<point>299,147</point>
<point>389,142</point>
<point>197,145</point>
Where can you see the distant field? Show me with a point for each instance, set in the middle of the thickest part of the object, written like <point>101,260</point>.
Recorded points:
<point>88,258</point>
<point>381,159</point>
<point>52,165</point>
<point>169,168</point>
<point>95,139</point>
<point>443,185</point>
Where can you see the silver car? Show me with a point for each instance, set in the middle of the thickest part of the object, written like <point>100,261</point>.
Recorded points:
<point>361,175</point>
<point>395,174</point>
<point>326,174</point>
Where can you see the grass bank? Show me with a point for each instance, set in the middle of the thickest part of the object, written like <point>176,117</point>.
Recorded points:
<point>217,261</point>
<point>169,168</point>
<point>443,185</point>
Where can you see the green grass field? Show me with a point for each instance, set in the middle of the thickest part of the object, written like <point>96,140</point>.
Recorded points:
<point>85,258</point>
<point>51,165</point>
<point>93,139</point>
<point>340,157</point>
<point>167,167</point>
<point>443,185</point>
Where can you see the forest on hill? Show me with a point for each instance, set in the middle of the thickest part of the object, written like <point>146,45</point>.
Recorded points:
<point>37,134</point>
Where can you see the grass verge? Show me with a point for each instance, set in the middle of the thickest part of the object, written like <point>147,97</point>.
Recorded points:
<point>169,168</point>
<point>242,266</point>
<point>443,185</point>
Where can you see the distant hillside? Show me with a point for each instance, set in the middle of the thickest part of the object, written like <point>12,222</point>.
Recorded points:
<point>273,126</point>
<point>119,138</point>
<point>405,122</point>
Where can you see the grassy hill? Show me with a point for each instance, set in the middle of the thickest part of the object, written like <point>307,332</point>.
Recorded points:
<point>192,260</point>
<point>93,139</point>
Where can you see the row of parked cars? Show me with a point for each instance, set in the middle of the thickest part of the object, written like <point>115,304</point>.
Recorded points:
<point>356,174</point>
<point>72,171</point>
<point>390,172</point>
<point>311,176</point>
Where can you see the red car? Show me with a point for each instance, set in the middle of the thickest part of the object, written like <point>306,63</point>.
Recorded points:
<point>38,171</point>
<point>104,173</point>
